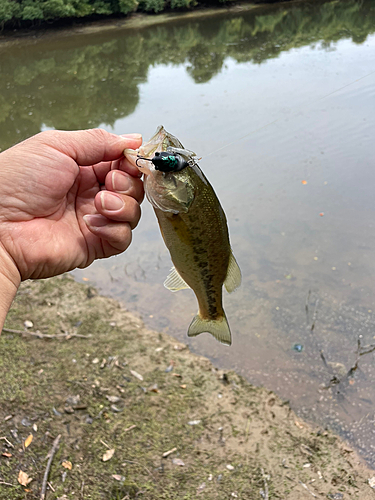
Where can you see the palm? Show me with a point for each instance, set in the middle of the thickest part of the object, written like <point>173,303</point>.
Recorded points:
<point>42,224</point>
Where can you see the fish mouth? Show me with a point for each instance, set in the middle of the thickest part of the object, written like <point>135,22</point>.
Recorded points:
<point>159,142</point>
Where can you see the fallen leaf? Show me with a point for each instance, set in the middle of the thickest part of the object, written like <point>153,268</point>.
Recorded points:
<point>28,440</point>
<point>108,455</point>
<point>304,182</point>
<point>6,454</point>
<point>67,464</point>
<point>23,478</point>
<point>118,477</point>
<point>178,461</point>
<point>136,374</point>
<point>321,214</point>
<point>183,386</point>
<point>300,426</point>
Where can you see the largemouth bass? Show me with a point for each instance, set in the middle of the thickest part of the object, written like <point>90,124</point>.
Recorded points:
<point>193,226</point>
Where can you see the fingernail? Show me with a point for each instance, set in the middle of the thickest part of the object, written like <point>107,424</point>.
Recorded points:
<point>120,182</point>
<point>110,201</point>
<point>95,220</point>
<point>131,136</point>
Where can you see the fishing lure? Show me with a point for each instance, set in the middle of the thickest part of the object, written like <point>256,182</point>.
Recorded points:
<point>166,161</point>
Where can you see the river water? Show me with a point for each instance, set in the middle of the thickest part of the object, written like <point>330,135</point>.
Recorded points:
<point>279,102</point>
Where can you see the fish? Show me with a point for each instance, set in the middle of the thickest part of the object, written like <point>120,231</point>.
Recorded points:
<point>194,228</point>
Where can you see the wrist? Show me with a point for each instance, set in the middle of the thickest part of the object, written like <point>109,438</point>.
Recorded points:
<point>9,282</point>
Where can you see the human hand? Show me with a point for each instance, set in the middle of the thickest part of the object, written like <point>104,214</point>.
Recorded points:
<point>54,214</point>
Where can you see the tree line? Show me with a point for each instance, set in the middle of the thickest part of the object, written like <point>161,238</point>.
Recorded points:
<point>31,12</point>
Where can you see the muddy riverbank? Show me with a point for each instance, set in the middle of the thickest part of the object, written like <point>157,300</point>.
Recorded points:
<point>172,425</point>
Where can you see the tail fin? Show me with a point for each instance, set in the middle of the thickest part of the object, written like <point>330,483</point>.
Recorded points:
<point>218,328</point>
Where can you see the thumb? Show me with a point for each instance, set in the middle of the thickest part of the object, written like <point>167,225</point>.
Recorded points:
<point>88,147</point>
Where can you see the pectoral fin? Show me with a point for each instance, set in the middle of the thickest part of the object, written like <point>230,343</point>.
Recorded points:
<point>233,279</point>
<point>218,328</point>
<point>174,282</point>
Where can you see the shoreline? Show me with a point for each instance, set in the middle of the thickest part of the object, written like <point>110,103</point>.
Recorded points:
<point>90,371</point>
<point>136,20</point>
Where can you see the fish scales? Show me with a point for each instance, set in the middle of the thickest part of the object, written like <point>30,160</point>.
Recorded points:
<point>198,242</point>
<point>194,229</point>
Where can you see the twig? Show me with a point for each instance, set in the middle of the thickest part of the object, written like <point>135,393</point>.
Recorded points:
<point>105,444</point>
<point>8,484</point>
<point>169,452</point>
<point>50,485</point>
<point>40,335</point>
<point>306,488</point>
<point>141,465</point>
<point>314,315</point>
<point>130,428</point>
<point>307,305</point>
<point>7,441</point>
<point>49,463</point>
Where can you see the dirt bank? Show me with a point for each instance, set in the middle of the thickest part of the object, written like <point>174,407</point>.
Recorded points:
<point>104,382</point>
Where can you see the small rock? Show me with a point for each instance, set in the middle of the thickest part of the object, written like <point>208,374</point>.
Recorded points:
<point>194,422</point>
<point>89,420</point>
<point>69,410</point>
<point>28,324</point>
<point>95,361</point>
<point>371,482</point>
<point>298,347</point>
<point>25,422</point>
<point>63,476</point>
<point>169,369</point>
<point>116,409</point>
<point>335,496</point>
<point>230,467</point>
<point>35,428</point>
<point>113,399</point>
<point>56,412</point>
<point>73,400</point>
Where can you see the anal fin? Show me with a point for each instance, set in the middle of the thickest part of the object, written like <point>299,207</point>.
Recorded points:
<point>233,278</point>
<point>174,282</point>
<point>218,328</point>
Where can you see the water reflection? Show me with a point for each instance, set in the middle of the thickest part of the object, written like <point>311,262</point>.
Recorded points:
<point>82,82</point>
<point>212,82</point>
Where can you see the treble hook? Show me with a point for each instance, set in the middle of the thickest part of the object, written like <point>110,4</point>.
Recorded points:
<point>141,158</point>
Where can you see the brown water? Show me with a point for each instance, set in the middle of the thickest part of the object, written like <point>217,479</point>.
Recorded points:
<point>268,98</point>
